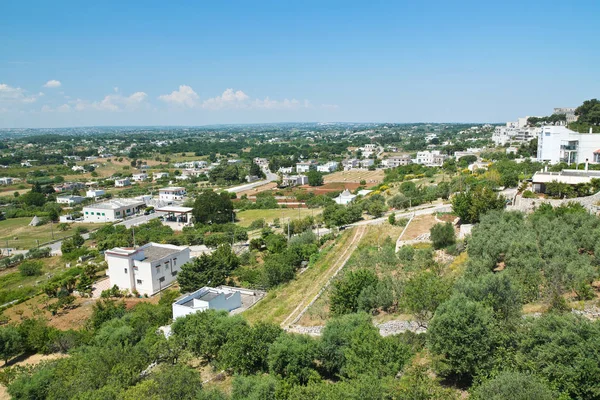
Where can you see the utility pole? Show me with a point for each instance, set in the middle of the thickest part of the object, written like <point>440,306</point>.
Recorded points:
<point>133,233</point>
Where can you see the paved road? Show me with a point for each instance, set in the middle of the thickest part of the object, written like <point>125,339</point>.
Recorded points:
<point>271,177</point>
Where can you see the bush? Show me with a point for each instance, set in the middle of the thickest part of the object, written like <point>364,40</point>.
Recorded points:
<point>31,268</point>
<point>513,385</point>
<point>442,235</point>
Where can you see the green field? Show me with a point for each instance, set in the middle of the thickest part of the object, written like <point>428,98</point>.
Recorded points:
<point>245,218</point>
<point>20,235</point>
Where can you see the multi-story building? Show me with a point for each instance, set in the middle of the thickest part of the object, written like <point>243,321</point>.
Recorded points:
<point>396,161</point>
<point>431,158</point>
<point>350,164</point>
<point>569,113</point>
<point>330,166</point>
<point>294,180</point>
<point>173,193</point>
<point>367,162</point>
<point>304,166</point>
<point>147,269</point>
<point>560,144</point>
<point>112,210</point>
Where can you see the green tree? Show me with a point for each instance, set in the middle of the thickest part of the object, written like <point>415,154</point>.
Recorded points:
<point>424,293</point>
<point>347,289</point>
<point>462,332</point>
<point>211,207</point>
<point>315,178</point>
<point>442,235</point>
<point>214,268</point>
<point>513,385</point>
<point>293,356</point>
<point>11,342</point>
<point>31,268</point>
<point>471,205</point>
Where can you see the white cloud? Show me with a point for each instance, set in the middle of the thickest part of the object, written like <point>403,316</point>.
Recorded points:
<point>185,97</point>
<point>53,83</point>
<point>229,99</point>
<point>112,102</point>
<point>330,107</point>
<point>16,95</point>
<point>285,104</point>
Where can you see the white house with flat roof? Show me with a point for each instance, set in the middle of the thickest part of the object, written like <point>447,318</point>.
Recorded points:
<point>208,298</point>
<point>92,193</point>
<point>112,210</point>
<point>140,177</point>
<point>147,269</point>
<point>6,181</point>
<point>171,193</point>
<point>122,182</point>
<point>330,166</point>
<point>70,200</point>
<point>560,144</point>
<point>160,175</point>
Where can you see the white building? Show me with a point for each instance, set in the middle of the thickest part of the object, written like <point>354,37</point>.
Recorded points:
<point>331,166</point>
<point>303,167</point>
<point>396,161</point>
<point>431,158</point>
<point>70,200</point>
<point>172,193</point>
<point>559,144</point>
<point>262,162</point>
<point>93,193</point>
<point>122,182</point>
<point>160,175</point>
<point>285,170</point>
<point>77,168</point>
<point>140,177</point>
<point>566,176</point>
<point>367,162</point>
<point>112,210</point>
<point>6,181</point>
<point>294,180</point>
<point>350,164</point>
<point>147,269</point>
<point>569,113</point>
<point>345,197</point>
<point>219,298</point>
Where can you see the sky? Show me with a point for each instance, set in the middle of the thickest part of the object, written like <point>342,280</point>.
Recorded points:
<point>109,63</point>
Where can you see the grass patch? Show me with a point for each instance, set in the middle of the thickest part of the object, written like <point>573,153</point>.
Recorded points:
<point>246,217</point>
<point>281,301</point>
<point>20,235</point>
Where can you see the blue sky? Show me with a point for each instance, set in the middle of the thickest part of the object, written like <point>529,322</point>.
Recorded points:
<point>74,63</point>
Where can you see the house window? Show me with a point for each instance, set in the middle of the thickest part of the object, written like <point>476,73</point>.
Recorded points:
<point>86,213</point>
<point>125,270</point>
<point>174,273</point>
<point>161,279</point>
<point>139,281</point>
<point>103,214</point>
<point>158,269</point>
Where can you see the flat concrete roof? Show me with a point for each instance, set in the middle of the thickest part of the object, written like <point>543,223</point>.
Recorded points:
<point>154,253</point>
<point>175,209</point>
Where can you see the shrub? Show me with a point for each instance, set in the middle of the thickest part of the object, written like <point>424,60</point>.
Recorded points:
<point>31,268</point>
<point>442,235</point>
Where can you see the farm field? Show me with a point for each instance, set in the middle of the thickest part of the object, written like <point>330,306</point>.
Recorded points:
<point>246,217</point>
<point>17,233</point>
<point>371,177</point>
